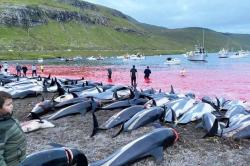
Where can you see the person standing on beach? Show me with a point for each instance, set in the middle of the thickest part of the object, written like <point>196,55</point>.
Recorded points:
<point>133,74</point>
<point>5,67</point>
<point>147,72</point>
<point>42,68</point>
<point>33,68</point>
<point>109,73</point>
<point>24,68</point>
<point>12,138</point>
<point>18,70</point>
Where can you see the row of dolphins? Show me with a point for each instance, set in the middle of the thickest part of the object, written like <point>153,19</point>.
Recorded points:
<point>217,116</point>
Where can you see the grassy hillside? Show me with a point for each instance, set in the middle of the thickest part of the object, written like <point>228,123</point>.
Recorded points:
<point>121,34</point>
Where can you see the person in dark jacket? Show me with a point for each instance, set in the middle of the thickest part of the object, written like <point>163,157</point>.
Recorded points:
<point>24,68</point>
<point>18,70</point>
<point>133,74</point>
<point>12,138</point>
<point>109,73</point>
<point>147,72</point>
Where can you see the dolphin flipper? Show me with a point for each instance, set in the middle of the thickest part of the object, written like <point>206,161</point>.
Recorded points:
<point>119,132</point>
<point>157,153</point>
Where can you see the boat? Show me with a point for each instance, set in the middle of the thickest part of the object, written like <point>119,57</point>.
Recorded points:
<point>100,58</point>
<point>223,53</point>
<point>172,61</point>
<point>91,58</point>
<point>137,56</point>
<point>199,53</point>
<point>40,60</point>
<point>239,54</point>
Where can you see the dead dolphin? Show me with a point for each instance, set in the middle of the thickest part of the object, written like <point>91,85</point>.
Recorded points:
<point>77,108</point>
<point>117,119</point>
<point>56,157</point>
<point>125,103</point>
<point>142,118</point>
<point>42,108</point>
<point>151,144</point>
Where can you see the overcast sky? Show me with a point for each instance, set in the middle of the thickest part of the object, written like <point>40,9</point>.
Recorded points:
<point>220,15</point>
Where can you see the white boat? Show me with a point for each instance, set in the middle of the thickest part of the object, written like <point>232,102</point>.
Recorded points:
<point>136,57</point>
<point>100,58</point>
<point>40,60</point>
<point>172,61</point>
<point>239,54</point>
<point>198,54</point>
<point>91,58</point>
<point>223,53</point>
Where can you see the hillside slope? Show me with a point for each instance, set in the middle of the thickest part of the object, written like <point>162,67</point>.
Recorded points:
<point>48,25</point>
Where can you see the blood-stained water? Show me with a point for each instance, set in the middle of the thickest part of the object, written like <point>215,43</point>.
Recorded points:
<point>222,78</point>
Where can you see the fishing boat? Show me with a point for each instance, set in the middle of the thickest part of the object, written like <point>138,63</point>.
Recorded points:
<point>223,53</point>
<point>199,53</point>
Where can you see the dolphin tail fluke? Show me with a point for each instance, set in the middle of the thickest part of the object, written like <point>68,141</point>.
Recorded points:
<point>119,132</point>
<point>95,125</point>
<point>214,130</point>
<point>132,94</point>
<point>49,76</point>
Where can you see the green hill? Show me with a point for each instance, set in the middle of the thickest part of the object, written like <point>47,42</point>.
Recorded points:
<point>29,28</point>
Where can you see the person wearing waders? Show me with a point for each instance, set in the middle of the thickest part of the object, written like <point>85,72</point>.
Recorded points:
<point>133,75</point>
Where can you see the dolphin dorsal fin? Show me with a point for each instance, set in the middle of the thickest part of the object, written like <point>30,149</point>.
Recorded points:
<point>172,90</point>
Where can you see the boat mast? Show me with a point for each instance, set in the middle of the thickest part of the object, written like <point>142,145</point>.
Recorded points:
<point>203,38</point>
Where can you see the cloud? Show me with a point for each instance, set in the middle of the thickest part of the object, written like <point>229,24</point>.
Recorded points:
<point>221,15</point>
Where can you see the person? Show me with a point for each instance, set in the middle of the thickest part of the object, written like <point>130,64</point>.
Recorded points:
<point>12,138</point>
<point>25,69</point>
<point>18,70</point>
<point>133,73</point>
<point>109,73</point>
<point>42,67</point>
<point>5,67</point>
<point>182,72</point>
<point>33,68</point>
<point>147,72</point>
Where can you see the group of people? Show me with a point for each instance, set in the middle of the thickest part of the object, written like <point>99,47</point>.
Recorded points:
<point>147,72</point>
<point>133,74</point>
<point>21,69</point>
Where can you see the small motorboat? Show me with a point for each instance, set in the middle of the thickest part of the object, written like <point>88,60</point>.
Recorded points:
<point>40,60</point>
<point>172,61</point>
<point>91,58</point>
<point>239,54</point>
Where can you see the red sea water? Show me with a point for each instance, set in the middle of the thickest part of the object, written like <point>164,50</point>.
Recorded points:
<point>229,78</point>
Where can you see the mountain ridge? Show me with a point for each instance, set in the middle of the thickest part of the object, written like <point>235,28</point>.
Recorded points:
<point>47,25</point>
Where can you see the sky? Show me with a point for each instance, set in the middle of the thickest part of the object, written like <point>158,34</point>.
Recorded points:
<point>231,16</point>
